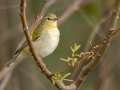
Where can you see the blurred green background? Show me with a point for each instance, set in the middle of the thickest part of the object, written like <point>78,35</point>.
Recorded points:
<point>77,28</point>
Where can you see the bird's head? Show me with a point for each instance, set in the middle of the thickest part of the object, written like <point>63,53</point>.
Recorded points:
<point>51,17</point>
<point>50,20</point>
<point>48,23</point>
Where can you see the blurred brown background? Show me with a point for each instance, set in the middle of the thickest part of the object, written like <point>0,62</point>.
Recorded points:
<point>77,28</point>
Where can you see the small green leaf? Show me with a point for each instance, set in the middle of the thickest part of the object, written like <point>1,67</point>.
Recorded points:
<point>61,78</point>
<point>75,47</point>
<point>57,76</point>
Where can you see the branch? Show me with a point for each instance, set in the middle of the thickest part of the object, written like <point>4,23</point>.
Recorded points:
<point>5,81</point>
<point>38,59</point>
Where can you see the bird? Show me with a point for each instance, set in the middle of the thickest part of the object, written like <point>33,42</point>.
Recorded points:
<point>45,39</point>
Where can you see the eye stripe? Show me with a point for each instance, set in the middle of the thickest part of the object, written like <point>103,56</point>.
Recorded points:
<point>52,19</point>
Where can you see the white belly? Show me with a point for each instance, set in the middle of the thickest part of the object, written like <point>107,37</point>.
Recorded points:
<point>47,42</point>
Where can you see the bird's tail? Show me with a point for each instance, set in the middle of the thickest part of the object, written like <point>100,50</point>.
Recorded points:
<point>9,67</point>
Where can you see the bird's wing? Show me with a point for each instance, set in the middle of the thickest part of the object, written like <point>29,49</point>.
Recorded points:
<point>21,45</point>
<point>37,32</point>
<point>35,35</point>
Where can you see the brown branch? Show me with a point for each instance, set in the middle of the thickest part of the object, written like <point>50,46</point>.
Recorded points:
<point>38,59</point>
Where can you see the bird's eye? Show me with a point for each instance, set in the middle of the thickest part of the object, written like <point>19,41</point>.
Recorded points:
<point>48,18</point>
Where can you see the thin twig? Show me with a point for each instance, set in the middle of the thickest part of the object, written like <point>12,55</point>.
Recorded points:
<point>5,81</point>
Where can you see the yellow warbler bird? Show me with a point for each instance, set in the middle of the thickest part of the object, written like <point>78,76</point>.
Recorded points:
<point>45,39</point>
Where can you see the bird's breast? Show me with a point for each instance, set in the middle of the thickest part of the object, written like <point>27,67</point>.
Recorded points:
<point>47,42</point>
